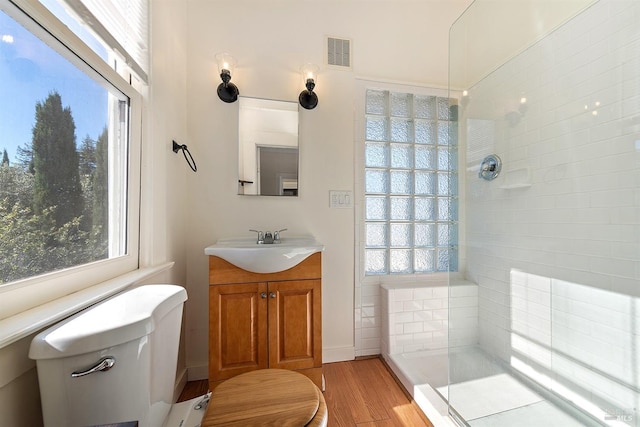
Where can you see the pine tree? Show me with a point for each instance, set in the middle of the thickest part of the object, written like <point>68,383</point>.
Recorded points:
<point>87,156</point>
<point>100,211</point>
<point>5,158</point>
<point>24,155</point>
<point>55,161</point>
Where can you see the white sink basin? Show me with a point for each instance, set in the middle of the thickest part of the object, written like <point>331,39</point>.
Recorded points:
<point>249,255</point>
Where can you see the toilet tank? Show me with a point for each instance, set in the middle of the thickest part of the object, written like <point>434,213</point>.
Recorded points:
<point>138,332</point>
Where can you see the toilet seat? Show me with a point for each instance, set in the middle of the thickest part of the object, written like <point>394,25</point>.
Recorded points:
<point>275,397</point>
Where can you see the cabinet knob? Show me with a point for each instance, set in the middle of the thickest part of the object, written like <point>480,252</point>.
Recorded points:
<point>263,295</point>
<point>272,294</point>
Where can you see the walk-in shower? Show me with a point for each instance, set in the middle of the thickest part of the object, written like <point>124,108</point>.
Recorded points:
<point>550,248</point>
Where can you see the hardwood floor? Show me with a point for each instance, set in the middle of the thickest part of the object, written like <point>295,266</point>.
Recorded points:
<point>361,393</point>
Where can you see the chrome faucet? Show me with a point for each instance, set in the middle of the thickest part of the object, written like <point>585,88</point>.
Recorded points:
<point>276,235</point>
<point>260,236</point>
<point>268,238</point>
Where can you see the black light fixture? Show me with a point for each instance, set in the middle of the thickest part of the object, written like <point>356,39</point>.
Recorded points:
<point>227,91</point>
<point>308,99</point>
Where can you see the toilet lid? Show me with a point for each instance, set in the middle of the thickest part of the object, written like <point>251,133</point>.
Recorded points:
<point>264,397</point>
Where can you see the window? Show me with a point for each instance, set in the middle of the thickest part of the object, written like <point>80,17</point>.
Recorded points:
<point>69,177</point>
<point>410,181</point>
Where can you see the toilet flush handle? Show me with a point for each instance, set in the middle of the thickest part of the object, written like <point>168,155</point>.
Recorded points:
<point>104,364</point>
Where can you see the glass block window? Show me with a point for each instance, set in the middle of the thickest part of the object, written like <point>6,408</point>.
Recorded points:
<point>411,184</point>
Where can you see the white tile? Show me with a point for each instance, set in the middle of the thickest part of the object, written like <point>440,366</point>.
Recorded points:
<point>370,345</point>
<point>398,329</point>
<point>368,333</point>
<point>404,317</point>
<point>423,293</point>
<point>371,290</point>
<point>423,315</point>
<point>396,307</point>
<point>433,325</point>
<point>370,311</point>
<point>440,292</point>
<point>403,294</point>
<point>415,305</point>
<point>433,304</point>
<point>463,302</point>
<point>413,327</point>
<point>370,322</point>
<point>440,314</point>
<point>463,290</point>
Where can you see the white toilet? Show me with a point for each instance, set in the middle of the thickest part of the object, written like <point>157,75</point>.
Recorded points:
<point>115,363</point>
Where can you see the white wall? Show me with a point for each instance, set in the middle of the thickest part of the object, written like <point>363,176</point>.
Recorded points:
<point>164,200</point>
<point>399,41</point>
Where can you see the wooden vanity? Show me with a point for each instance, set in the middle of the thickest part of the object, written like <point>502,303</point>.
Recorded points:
<point>265,320</point>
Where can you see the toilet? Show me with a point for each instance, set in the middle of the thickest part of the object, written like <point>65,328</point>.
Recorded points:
<point>267,397</point>
<point>115,363</point>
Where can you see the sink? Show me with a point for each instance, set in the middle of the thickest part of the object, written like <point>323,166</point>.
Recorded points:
<point>264,258</point>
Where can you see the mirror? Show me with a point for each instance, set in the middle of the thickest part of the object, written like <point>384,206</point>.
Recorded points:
<point>267,147</point>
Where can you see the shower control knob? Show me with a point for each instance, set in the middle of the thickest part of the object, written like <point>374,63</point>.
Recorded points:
<point>490,167</point>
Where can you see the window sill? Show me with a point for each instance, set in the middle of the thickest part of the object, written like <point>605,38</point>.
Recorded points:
<point>24,324</point>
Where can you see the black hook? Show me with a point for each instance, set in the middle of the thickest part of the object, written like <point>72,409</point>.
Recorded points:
<point>192,163</point>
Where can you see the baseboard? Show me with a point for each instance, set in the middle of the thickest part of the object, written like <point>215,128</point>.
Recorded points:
<point>181,381</point>
<point>338,354</point>
<point>329,355</point>
<point>195,373</point>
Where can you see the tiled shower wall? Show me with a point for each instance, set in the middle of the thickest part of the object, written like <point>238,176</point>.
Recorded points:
<point>417,318</point>
<point>564,116</point>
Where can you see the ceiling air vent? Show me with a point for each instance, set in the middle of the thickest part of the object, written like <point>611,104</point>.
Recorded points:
<point>339,52</point>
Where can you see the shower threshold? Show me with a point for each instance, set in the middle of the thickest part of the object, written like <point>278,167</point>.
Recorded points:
<point>484,394</point>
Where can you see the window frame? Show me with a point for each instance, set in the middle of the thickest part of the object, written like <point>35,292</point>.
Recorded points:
<point>25,294</point>
<point>360,230</point>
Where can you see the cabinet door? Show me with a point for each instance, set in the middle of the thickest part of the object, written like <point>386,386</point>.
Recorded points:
<point>295,324</point>
<point>237,329</point>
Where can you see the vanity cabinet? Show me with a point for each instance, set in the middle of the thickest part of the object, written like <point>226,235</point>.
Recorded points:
<point>265,320</point>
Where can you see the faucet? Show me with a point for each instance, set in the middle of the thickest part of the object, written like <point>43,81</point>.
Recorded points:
<point>276,235</point>
<point>268,238</point>
<point>260,236</point>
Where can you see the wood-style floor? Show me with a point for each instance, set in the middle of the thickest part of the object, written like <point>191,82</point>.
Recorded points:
<point>361,393</point>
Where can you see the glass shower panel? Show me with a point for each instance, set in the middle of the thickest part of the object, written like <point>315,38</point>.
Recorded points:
<point>551,329</point>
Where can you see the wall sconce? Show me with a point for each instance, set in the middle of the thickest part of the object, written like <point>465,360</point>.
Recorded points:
<point>227,91</point>
<point>308,99</point>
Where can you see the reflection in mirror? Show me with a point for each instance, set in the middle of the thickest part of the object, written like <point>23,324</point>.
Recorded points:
<point>268,147</point>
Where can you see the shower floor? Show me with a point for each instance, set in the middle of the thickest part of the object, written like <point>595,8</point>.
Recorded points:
<point>482,392</point>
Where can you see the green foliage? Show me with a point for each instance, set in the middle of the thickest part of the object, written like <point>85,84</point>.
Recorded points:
<point>44,225</point>
<point>87,156</point>
<point>56,163</point>
<point>24,156</point>
<point>100,208</point>
<point>33,244</point>
<point>16,186</point>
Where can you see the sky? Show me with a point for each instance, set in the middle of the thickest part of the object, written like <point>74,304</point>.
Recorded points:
<point>29,71</point>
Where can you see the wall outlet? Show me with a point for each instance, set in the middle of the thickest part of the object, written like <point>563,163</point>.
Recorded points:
<point>340,199</point>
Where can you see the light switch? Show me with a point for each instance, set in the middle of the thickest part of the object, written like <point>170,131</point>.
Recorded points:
<point>340,199</point>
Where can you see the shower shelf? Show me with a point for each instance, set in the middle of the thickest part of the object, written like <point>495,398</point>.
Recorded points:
<point>514,186</point>
<point>516,178</point>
